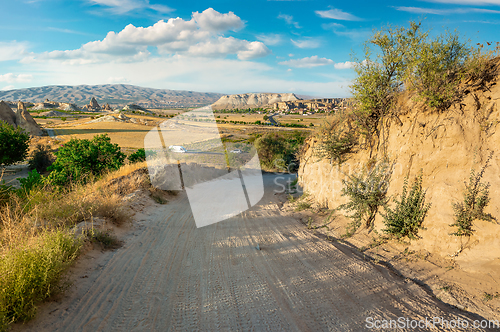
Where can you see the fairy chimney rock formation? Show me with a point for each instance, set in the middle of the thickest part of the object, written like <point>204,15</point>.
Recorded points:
<point>93,103</point>
<point>26,121</point>
<point>6,114</point>
<point>21,118</point>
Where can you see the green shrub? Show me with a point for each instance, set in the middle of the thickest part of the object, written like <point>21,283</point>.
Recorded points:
<point>29,275</point>
<point>14,143</point>
<point>336,139</point>
<point>41,158</point>
<point>366,191</point>
<point>79,159</point>
<point>278,151</point>
<point>407,59</point>
<point>476,198</point>
<point>33,181</point>
<point>137,156</point>
<point>409,212</point>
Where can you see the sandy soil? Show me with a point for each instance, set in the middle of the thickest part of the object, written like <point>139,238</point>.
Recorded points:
<point>171,276</point>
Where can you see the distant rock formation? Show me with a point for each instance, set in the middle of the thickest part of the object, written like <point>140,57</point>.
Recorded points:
<point>6,114</point>
<point>93,106</point>
<point>107,108</point>
<point>26,121</point>
<point>252,100</point>
<point>49,105</point>
<point>137,108</point>
<point>21,118</point>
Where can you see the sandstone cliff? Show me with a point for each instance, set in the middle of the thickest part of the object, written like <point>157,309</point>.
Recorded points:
<point>445,145</point>
<point>252,100</point>
<point>21,118</point>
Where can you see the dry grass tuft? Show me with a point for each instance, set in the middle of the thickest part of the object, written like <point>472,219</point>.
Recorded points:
<point>36,245</point>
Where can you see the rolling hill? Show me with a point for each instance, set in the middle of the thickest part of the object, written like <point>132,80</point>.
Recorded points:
<point>114,94</point>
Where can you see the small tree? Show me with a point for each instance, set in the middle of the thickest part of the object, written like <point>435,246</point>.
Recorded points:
<point>476,198</point>
<point>80,158</point>
<point>14,143</point>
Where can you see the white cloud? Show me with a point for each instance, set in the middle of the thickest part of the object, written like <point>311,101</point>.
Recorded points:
<point>12,78</point>
<point>187,73</point>
<point>307,43</point>
<point>222,46</point>
<point>337,14</point>
<point>212,20</point>
<point>12,50</point>
<point>8,87</point>
<point>120,7</point>
<point>419,10</point>
<point>289,20</point>
<point>196,37</point>
<point>344,65</point>
<point>270,39</point>
<point>469,2</point>
<point>308,62</point>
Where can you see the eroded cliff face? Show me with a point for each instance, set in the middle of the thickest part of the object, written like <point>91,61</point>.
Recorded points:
<point>251,100</point>
<point>445,146</point>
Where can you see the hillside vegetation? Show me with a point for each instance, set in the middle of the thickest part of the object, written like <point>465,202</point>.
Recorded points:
<point>416,158</point>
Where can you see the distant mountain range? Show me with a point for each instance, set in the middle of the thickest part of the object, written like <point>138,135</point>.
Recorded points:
<point>114,94</point>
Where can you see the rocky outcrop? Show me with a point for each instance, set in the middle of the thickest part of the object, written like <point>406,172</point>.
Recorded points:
<point>93,105</point>
<point>26,121</point>
<point>6,114</point>
<point>21,118</point>
<point>50,105</point>
<point>252,100</point>
<point>107,107</point>
<point>137,108</point>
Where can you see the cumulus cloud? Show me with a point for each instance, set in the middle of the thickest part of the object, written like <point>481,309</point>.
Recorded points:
<point>337,14</point>
<point>12,78</point>
<point>200,36</point>
<point>12,50</point>
<point>120,7</point>
<point>344,65</point>
<point>289,20</point>
<point>212,20</point>
<point>307,43</point>
<point>307,62</point>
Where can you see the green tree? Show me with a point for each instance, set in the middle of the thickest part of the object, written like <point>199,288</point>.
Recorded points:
<point>80,158</point>
<point>398,59</point>
<point>14,143</point>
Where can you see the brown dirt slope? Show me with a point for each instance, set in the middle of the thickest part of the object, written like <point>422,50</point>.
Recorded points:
<point>445,145</point>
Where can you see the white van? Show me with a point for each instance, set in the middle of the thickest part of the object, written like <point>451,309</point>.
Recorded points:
<point>177,148</point>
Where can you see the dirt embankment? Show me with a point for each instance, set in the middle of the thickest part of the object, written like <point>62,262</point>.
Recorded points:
<point>445,145</point>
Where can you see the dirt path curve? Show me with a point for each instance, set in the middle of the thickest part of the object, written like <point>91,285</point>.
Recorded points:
<point>171,276</point>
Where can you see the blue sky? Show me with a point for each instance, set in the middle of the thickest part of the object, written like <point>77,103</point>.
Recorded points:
<point>213,46</point>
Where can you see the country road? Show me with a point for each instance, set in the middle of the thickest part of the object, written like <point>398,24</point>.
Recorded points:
<point>172,276</point>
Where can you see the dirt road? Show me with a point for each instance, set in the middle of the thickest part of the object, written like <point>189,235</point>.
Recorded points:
<point>171,276</point>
